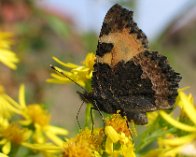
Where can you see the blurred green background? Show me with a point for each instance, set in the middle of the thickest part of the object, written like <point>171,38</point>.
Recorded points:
<point>69,30</point>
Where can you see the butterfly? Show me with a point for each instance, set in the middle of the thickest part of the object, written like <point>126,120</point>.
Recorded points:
<point>127,76</point>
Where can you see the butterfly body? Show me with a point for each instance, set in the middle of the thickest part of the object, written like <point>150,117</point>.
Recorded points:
<point>127,76</point>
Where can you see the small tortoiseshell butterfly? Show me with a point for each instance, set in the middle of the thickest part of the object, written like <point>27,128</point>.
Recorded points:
<point>127,76</point>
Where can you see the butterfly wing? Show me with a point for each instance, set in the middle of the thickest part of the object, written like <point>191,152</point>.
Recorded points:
<point>120,38</point>
<point>126,75</point>
<point>122,87</point>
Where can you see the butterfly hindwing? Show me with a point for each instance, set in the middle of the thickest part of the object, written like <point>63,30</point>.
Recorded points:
<point>123,87</point>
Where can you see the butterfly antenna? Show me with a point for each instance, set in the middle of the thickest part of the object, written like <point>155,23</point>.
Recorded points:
<point>63,74</point>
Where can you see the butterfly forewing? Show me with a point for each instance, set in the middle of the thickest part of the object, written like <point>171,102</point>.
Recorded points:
<point>127,76</point>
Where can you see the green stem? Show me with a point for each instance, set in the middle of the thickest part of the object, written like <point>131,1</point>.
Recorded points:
<point>88,119</point>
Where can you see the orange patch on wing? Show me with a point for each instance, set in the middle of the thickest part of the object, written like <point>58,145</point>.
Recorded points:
<point>107,58</point>
<point>126,46</point>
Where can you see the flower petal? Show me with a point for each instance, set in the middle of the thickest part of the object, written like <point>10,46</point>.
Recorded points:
<point>57,130</point>
<point>3,155</point>
<point>109,146</point>
<point>6,148</point>
<point>188,107</point>
<point>178,140</point>
<point>54,138</point>
<point>68,65</point>
<point>176,123</point>
<point>112,134</point>
<point>22,96</point>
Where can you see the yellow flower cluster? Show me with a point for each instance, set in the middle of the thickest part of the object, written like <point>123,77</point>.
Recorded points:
<point>181,140</point>
<point>118,137</point>
<point>111,140</point>
<point>79,74</point>
<point>7,56</point>
<point>86,143</point>
<point>182,143</point>
<point>27,125</point>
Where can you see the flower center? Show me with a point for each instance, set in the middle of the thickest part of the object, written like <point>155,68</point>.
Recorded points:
<point>118,123</point>
<point>14,133</point>
<point>38,115</point>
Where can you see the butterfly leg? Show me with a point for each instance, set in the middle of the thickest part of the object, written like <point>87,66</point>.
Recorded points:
<point>130,125</point>
<point>97,108</point>
<point>77,115</point>
<point>92,118</point>
<point>91,113</point>
<point>138,118</point>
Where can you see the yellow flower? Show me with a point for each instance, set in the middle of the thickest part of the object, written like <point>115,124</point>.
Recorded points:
<point>175,144</point>
<point>77,73</point>
<point>7,56</point>
<point>5,111</point>
<point>3,155</point>
<point>119,124</point>
<point>34,115</point>
<point>11,133</point>
<point>114,138</point>
<point>152,116</point>
<point>85,144</point>
<point>47,149</point>
<point>154,153</point>
<point>118,135</point>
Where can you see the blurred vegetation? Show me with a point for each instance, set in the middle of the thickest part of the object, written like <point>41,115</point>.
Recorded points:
<point>177,42</point>
<point>39,34</point>
<point>42,32</point>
